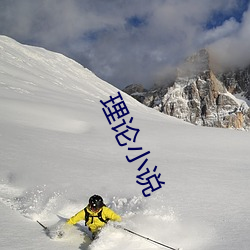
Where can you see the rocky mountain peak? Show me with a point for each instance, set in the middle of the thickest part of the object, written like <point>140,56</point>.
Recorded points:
<point>200,96</point>
<point>196,64</point>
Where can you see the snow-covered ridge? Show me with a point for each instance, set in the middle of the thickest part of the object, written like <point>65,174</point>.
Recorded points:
<point>35,74</point>
<point>34,66</point>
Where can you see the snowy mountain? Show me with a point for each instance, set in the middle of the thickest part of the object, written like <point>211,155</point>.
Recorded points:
<point>58,148</point>
<point>201,95</point>
<point>237,81</point>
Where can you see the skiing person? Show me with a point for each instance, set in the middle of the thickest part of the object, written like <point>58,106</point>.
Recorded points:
<point>95,214</point>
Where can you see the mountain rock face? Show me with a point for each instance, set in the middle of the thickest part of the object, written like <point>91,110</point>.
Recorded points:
<point>237,81</point>
<point>200,96</point>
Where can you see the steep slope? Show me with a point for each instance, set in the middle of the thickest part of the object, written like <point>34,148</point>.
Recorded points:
<point>57,149</point>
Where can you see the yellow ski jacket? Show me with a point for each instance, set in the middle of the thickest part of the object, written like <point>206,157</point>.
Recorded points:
<point>94,223</point>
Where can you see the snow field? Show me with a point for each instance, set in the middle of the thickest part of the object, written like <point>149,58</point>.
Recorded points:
<point>57,149</point>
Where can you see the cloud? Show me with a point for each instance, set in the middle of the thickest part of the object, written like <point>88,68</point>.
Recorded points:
<point>228,28</point>
<point>233,49</point>
<point>123,42</point>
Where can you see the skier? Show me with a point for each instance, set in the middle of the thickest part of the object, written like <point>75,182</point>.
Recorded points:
<point>95,214</point>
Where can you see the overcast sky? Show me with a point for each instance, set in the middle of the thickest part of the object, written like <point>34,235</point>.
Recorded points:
<point>131,41</point>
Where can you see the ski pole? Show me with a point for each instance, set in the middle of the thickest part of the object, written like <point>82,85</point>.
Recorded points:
<point>150,239</point>
<point>45,228</point>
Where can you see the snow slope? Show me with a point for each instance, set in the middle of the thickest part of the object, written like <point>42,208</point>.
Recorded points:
<point>57,149</point>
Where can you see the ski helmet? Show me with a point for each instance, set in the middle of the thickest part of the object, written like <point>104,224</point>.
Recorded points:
<point>96,202</point>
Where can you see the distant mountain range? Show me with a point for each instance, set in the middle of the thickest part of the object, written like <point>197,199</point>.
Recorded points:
<point>202,94</point>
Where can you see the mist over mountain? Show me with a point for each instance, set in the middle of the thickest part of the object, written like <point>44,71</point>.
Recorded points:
<point>203,92</point>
